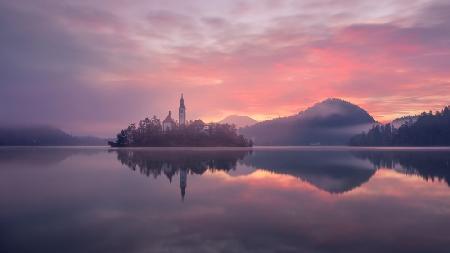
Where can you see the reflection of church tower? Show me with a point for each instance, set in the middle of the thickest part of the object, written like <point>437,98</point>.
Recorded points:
<point>167,169</point>
<point>182,112</point>
<point>183,182</point>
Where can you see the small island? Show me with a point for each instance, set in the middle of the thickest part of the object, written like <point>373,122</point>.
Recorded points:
<point>151,132</point>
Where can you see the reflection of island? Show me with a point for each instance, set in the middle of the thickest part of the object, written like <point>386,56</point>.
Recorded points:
<point>184,162</point>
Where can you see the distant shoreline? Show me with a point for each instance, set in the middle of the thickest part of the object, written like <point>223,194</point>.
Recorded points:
<point>256,148</point>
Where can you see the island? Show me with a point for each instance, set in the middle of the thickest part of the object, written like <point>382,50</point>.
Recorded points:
<point>151,132</point>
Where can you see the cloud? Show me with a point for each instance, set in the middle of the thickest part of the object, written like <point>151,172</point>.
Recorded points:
<point>47,69</point>
<point>96,66</point>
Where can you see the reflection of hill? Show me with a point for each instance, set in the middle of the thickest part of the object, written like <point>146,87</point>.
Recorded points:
<point>331,171</point>
<point>427,164</point>
<point>41,156</point>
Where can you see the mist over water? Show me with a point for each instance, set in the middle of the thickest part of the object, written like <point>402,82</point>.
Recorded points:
<point>224,200</point>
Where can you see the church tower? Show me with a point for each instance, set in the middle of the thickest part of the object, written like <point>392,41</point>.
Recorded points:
<point>182,112</point>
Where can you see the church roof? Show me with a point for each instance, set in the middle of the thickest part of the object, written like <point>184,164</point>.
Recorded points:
<point>169,118</point>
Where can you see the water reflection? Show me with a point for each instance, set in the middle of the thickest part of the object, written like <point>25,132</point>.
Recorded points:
<point>330,171</point>
<point>42,156</point>
<point>290,200</point>
<point>182,162</point>
<point>430,165</point>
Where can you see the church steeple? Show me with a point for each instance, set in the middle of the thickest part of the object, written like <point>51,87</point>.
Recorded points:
<point>182,112</point>
<point>181,100</point>
<point>183,182</point>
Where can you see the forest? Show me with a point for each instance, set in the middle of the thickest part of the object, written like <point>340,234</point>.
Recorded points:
<point>429,129</point>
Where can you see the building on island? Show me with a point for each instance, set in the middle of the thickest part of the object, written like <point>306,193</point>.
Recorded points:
<point>169,123</point>
<point>182,112</point>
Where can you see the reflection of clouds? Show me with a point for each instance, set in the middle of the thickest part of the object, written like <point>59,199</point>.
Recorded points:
<point>266,179</point>
<point>392,183</point>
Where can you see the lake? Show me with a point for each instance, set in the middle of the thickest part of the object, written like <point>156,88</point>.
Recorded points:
<point>291,199</point>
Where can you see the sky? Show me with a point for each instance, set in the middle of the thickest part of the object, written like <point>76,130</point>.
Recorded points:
<point>91,67</point>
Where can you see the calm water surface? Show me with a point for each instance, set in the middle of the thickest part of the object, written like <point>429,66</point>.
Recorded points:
<point>199,200</point>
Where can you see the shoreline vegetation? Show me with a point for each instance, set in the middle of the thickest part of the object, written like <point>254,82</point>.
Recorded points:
<point>426,130</point>
<point>149,133</point>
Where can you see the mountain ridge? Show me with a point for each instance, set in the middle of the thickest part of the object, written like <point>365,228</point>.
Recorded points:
<point>238,120</point>
<point>332,121</point>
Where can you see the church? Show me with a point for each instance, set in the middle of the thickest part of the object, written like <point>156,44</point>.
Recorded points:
<point>169,123</point>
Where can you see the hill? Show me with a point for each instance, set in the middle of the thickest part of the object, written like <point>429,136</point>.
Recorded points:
<point>238,120</point>
<point>43,136</point>
<point>330,122</point>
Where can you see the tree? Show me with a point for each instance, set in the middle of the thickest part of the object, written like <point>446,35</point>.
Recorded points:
<point>428,130</point>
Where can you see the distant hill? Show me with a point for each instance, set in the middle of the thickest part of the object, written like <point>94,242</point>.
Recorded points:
<point>43,136</point>
<point>238,121</point>
<point>330,122</point>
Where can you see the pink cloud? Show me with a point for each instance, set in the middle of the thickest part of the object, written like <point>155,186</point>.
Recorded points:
<point>259,59</point>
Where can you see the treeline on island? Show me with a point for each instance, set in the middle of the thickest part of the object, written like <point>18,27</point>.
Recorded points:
<point>149,133</point>
<point>427,130</point>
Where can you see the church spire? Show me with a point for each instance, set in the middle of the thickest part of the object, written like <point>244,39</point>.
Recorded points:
<point>182,112</point>
<point>181,100</point>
